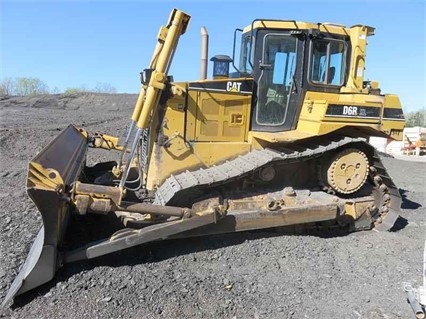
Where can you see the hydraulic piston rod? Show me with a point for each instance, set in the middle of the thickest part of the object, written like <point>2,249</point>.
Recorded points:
<point>149,98</point>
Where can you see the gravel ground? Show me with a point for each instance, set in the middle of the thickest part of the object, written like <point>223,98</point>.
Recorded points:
<point>247,275</point>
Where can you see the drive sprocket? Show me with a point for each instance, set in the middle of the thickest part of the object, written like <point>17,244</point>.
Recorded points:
<point>346,171</point>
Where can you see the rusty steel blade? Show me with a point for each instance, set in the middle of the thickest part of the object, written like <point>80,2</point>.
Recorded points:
<point>50,176</point>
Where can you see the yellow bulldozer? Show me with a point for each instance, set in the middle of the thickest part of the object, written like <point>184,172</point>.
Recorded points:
<point>281,140</point>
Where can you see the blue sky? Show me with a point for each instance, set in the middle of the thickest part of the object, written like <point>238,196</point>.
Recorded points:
<point>75,43</point>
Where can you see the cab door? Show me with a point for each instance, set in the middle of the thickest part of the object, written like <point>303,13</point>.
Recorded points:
<point>278,76</point>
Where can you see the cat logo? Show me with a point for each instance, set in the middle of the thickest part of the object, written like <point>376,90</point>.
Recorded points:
<point>233,86</point>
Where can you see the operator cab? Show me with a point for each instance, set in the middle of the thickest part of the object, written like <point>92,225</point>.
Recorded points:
<point>287,58</point>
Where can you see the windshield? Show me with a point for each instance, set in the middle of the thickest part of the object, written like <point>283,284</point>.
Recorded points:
<point>276,78</point>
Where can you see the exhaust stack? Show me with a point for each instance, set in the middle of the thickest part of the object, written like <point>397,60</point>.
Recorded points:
<point>204,52</point>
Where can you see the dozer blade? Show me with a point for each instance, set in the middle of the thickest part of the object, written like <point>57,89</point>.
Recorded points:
<point>50,175</point>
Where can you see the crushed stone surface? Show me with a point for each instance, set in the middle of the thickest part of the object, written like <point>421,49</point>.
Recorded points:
<point>262,274</point>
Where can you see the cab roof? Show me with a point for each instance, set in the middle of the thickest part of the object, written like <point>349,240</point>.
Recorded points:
<point>328,27</point>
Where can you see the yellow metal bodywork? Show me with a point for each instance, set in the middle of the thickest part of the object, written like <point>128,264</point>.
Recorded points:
<point>313,120</point>
<point>216,117</point>
<point>204,127</point>
<point>298,25</point>
<point>393,127</point>
<point>168,37</point>
<point>192,141</point>
<point>44,178</point>
<point>107,142</point>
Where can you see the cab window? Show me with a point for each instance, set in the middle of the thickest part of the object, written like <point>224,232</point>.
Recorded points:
<point>327,65</point>
<point>245,60</point>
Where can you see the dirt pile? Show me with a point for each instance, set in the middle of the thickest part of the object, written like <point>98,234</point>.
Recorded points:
<point>247,275</point>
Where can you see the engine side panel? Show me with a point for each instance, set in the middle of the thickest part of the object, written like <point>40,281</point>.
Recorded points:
<point>199,130</point>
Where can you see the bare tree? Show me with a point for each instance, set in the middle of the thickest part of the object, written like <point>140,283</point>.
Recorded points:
<point>24,86</point>
<point>415,119</point>
<point>104,88</point>
<point>7,86</point>
<point>55,90</point>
